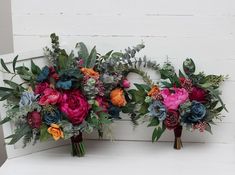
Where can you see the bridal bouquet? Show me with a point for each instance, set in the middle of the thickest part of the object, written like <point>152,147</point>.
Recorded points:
<point>76,93</point>
<point>187,99</point>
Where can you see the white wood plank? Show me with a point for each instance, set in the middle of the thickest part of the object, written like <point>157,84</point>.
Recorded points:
<point>165,7</point>
<point>211,49</point>
<point>128,157</point>
<point>152,26</point>
<point>124,130</point>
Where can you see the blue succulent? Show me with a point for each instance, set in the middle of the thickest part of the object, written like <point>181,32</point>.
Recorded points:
<point>43,74</point>
<point>114,111</point>
<point>27,98</point>
<point>157,109</point>
<point>52,117</point>
<point>198,112</point>
<point>64,84</point>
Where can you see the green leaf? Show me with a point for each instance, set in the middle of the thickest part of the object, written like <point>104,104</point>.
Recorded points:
<point>142,87</point>
<point>34,68</point>
<point>5,120</point>
<point>107,55</point>
<point>90,61</point>
<point>83,51</point>
<point>62,61</point>
<point>14,63</point>
<point>4,66</point>
<point>219,109</point>
<point>154,122</point>
<point>6,97</point>
<point>19,134</point>
<point>117,55</point>
<point>44,135</point>
<point>11,84</point>
<point>213,104</point>
<point>128,108</point>
<point>166,84</point>
<point>208,128</point>
<point>157,132</point>
<point>144,108</point>
<point>181,74</point>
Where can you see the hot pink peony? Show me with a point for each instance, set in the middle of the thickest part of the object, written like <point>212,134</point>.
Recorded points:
<point>50,96</point>
<point>39,88</point>
<point>173,99</point>
<point>74,106</point>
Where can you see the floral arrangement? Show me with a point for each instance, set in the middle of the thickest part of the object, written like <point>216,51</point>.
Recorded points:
<point>187,99</point>
<point>78,92</point>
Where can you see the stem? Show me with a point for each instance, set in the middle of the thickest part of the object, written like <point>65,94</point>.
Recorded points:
<point>178,132</point>
<point>78,148</point>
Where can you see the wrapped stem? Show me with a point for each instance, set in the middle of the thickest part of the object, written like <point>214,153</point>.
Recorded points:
<point>78,148</point>
<point>178,132</point>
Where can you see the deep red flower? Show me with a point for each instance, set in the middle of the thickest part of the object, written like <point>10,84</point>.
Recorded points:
<point>75,106</point>
<point>53,73</point>
<point>39,88</point>
<point>102,103</point>
<point>34,119</point>
<point>172,119</point>
<point>198,94</point>
<point>186,83</point>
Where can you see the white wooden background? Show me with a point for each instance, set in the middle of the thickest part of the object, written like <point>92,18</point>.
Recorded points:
<point>200,29</point>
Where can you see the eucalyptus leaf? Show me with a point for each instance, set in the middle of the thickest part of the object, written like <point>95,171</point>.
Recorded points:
<point>4,66</point>
<point>14,63</point>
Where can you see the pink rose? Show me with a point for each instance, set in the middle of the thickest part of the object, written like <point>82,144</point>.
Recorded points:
<point>75,106</point>
<point>126,83</point>
<point>50,96</point>
<point>39,88</point>
<point>173,99</point>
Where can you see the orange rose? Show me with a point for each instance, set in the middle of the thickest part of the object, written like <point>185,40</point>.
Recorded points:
<point>117,97</point>
<point>55,131</point>
<point>154,91</point>
<point>90,72</point>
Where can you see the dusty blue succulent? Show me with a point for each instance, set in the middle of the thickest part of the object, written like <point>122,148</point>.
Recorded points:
<point>157,109</point>
<point>27,98</point>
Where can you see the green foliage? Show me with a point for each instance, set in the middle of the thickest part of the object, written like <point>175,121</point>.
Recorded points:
<point>5,120</point>
<point>35,69</point>
<point>4,66</point>
<point>91,60</point>
<point>19,133</point>
<point>44,135</point>
<point>154,122</point>
<point>157,132</point>
<point>14,63</point>
<point>82,51</point>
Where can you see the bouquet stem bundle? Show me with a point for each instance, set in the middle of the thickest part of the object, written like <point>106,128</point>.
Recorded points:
<point>78,148</point>
<point>178,132</point>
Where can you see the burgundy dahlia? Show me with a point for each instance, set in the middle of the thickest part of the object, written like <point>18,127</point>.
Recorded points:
<point>198,94</point>
<point>172,119</point>
<point>34,119</point>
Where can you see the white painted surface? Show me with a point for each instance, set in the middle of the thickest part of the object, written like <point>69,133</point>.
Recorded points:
<point>6,46</point>
<point>200,29</point>
<point>128,158</point>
